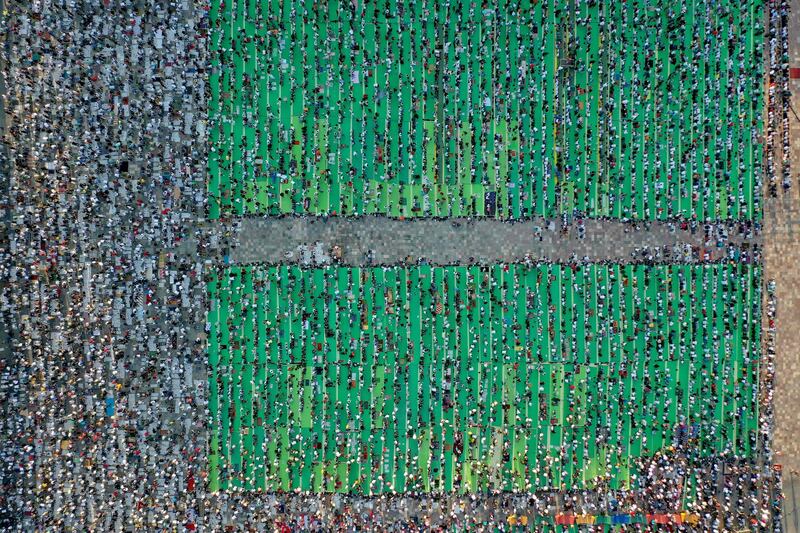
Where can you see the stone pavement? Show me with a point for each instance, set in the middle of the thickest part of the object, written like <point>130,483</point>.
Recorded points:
<point>469,241</point>
<point>791,508</point>
<point>782,263</point>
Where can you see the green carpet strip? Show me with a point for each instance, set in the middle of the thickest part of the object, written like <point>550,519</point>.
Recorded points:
<point>513,378</point>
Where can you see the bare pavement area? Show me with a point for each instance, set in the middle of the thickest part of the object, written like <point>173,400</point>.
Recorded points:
<point>782,264</point>
<point>379,240</point>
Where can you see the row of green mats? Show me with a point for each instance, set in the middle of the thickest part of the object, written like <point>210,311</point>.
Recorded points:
<point>469,378</point>
<point>631,110</point>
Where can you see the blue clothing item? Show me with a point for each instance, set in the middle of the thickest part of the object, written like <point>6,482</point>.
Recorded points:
<point>620,519</point>
<point>110,406</point>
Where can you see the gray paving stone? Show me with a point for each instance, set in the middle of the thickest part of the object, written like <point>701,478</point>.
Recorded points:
<point>463,241</point>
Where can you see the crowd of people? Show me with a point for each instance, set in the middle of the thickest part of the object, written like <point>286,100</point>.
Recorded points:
<point>103,388</point>
<point>354,329</point>
<point>777,166</point>
<point>461,109</point>
<point>103,378</point>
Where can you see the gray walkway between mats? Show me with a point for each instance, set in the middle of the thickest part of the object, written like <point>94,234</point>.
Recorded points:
<point>463,241</point>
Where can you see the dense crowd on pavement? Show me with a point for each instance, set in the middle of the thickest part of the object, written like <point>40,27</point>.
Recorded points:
<point>104,394</point>
<point>103,127</point>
